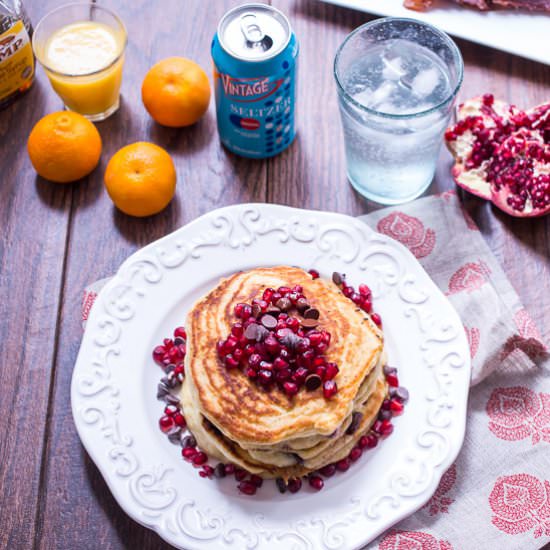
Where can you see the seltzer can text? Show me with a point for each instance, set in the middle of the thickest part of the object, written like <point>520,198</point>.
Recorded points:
<point>255,53</point>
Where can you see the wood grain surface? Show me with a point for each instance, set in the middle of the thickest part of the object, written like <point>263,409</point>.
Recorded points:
<point>58,239</point>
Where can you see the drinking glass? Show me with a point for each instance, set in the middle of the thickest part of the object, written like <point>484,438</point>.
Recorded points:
<point>95,93</point>
<point>397,81</point>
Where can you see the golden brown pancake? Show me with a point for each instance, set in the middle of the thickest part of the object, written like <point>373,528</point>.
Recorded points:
<point>247,414</point>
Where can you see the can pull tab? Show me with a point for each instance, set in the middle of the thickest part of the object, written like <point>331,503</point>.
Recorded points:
<point>253,34</point>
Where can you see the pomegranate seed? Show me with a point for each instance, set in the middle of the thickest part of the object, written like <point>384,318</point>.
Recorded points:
<point>315,337</point>
<point>276,297</point>
<point>314,273</point>
<point>179,420</point>
<point>272,345</point>
<point>238,355</point>
<point>386,405</point>
<point>368,441</point>
<point>256,480</point>
<point>366,305</point>
<point>268,294</point>
<point>170,410</point>
<point>328,471</point>
<point>377,426</point>
<point>290,388</point>
<point>240,474</point>
<point>392,380</point>
<point>343,465</point>
<point>293,324</point>
<point>396,406</point>
<point>166,424</point>
<point>316,482</point>
<point>347,291</point>
<point>298,289</point>
<point>376,319</point>
<point>237,330</point>
<point>355,454</point>
<point>200,458</point>
<point>283,290</point>
<point>251,373</point>
<point>158,354</point>
<point>364,290</point>
<point>488,99</point>
<point>386,428</point>
<point>188,453</point>
<point>330,389</point>
<point>280,364</point>
<point>247,488</point>
<point>265,377</point>
<point>321,372</point>
<point>294,485</point>
<point>282,375</point>
<point>231,362</point>
<point>331,371</point>
<point>168,343</point>
<point>300,375</point>
<point>254,360</point>
<point>179,332</point>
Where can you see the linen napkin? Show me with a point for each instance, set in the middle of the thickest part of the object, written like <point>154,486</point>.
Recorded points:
<point>497,493</point>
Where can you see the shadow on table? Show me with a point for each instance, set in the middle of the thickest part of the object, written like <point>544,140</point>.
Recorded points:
<point>130,533</point>
<point>184,141</point>
<point>142,231</point>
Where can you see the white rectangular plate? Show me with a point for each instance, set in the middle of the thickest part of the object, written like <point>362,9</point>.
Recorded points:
<point>521,33</point>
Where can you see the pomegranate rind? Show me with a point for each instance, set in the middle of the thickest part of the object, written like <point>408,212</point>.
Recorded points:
<point>475,179</point>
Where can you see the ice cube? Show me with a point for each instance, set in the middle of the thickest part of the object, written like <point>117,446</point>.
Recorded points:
<point>393,68</point>
<point>425,82</point>
<point>382,93</point>
<point>363,97</point>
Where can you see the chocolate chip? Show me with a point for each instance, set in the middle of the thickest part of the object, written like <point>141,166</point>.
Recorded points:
<point>268,321</point>
<point>309,323</point>
<point>169,368</point>
<point>219,470</point>
<point>178,341</point>
<point>302,305</point>
<point>389,370</point>
<point>313,381</point>
<point>273,310</point>
<point>162,391</point>
<point>256,311</point>
<point>172,399</point>
<point>354,424</point>
<point>384,415</point>
<point>284,304</point>
<point>337,278</point>
<point>175,437</point>
<point>281,484</point>
<point>251,332</point>
<point>402,393</point>
<point>289,339</point>
<point>311,313</point>
<point>188,441</point>
<point>262,333</point>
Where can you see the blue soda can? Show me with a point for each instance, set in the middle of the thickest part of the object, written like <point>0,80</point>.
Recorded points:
<point>254,52</point>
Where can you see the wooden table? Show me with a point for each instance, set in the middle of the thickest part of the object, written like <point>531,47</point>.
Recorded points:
<point>57,239</point>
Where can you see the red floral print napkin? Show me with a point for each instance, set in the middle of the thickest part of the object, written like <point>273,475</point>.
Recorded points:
<point>497,494</point>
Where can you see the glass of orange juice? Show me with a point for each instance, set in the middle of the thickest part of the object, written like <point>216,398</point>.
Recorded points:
<point>81,47</point>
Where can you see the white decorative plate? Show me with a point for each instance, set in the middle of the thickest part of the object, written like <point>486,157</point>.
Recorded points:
<point>114,384</point>
<point>519,32</point>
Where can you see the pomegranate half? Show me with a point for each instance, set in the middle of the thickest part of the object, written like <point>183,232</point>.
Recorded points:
<point>502,154</point>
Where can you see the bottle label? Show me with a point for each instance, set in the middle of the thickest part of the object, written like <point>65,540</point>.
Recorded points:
<point>16,60</point>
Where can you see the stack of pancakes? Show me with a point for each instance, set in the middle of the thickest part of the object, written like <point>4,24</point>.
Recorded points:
<point>266,432</point>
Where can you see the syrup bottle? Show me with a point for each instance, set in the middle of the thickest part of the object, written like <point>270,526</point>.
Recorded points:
<point>16,55</point>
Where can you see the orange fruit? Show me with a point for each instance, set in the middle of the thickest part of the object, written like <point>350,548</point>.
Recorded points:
<point>64,147</point>
<point>141,179</point>
<point>176,92</point>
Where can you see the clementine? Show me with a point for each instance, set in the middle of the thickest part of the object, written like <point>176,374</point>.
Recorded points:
<point>141,179</point>
<point>64,147</point>
<point>176,92</point>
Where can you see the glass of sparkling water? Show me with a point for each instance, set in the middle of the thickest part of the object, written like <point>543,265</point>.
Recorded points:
<point>397,81</point>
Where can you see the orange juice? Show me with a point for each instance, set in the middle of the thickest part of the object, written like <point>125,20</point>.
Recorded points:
<point>84,63</point>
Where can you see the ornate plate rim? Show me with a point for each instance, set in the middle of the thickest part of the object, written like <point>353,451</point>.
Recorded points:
<point>278,212</point>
